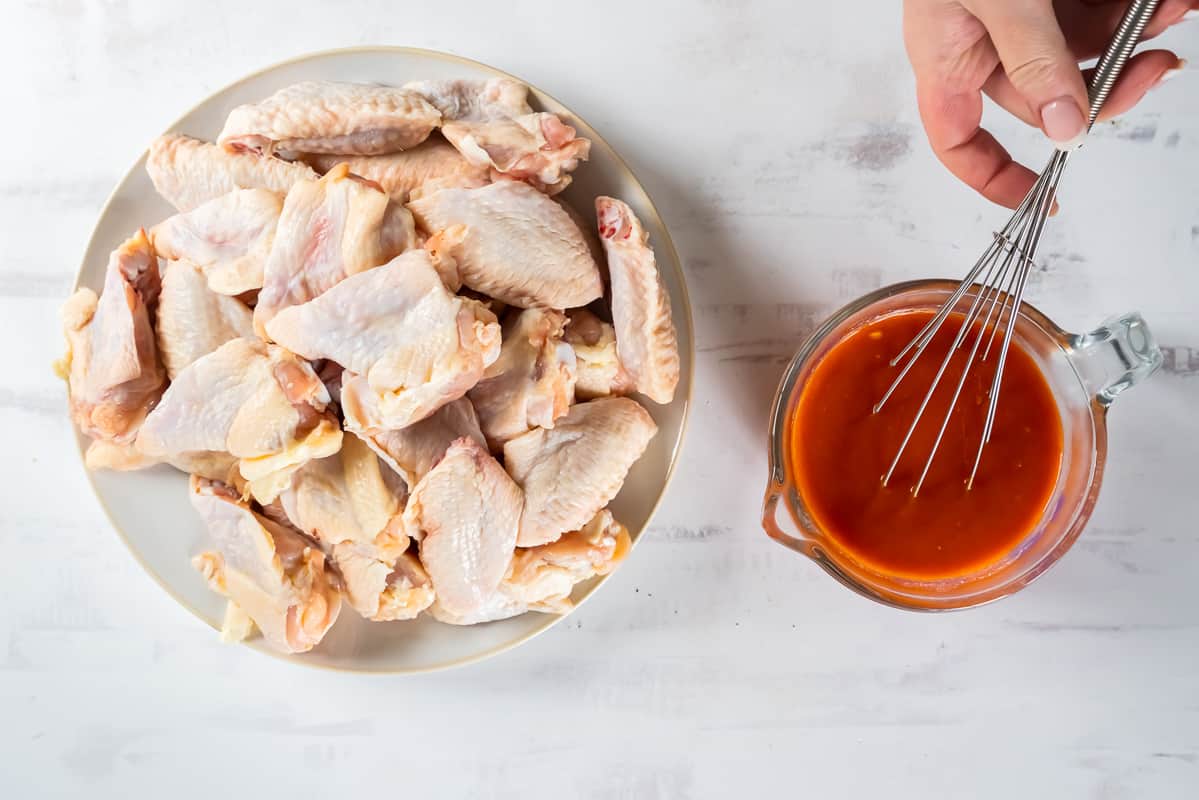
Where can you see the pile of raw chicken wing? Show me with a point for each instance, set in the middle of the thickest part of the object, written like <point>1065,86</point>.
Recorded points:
<point>395,366</point>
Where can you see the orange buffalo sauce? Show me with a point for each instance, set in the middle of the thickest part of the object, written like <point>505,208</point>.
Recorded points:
<point>840,450</point>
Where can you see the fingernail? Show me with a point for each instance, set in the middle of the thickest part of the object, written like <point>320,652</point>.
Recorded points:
<point>1172,72</point>
<point>1063,123</point>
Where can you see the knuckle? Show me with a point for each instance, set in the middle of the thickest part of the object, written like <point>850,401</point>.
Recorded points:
<point>1035,70</point>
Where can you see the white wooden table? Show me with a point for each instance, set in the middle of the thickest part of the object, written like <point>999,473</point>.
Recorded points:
<point>784,151</point>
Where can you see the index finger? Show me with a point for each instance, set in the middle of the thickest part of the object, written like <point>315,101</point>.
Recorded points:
<point>952,122</point>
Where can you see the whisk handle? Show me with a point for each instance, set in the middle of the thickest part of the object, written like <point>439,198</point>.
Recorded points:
<point>1118,51</point>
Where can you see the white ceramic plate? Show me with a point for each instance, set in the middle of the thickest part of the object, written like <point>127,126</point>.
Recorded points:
<point>150,510</point>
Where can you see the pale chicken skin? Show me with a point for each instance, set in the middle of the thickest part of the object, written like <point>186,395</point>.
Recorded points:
<point>352,504</point>
<point>228,238</point>
<point>491,124</point>
<point>598,366</point>
<point>111,364</point>
<point>645,337</point>
<point>543,578</point>
<point>474,100</point>
<point>408,345</point>
<point>251,400</point>
<point>383,591</point>
<point>213,465</point>
<point>514,244</point>
<point>431,165</point>
<point>331,117</point>
<point>193,320</point>
<point>348,497</point>
<point>532,383</point>
<point>188,172</point>
<point>569,473</point>
<point>413,450</point>
<point>465,513</point>
<point>274,575</point>
<point>338,226</point>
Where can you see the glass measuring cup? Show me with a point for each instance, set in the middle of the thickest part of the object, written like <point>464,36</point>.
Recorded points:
<point>1085,372</point>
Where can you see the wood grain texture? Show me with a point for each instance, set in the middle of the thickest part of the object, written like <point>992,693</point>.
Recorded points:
<point>793,173</point>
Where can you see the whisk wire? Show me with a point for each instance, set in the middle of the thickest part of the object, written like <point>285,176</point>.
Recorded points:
<point>962,331</point>
<point>1028,252</point>
<point>988,295</point>
<point>997,261</point>
<point>925,334</point>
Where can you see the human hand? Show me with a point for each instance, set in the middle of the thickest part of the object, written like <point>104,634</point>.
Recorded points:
<point>1024,55</point>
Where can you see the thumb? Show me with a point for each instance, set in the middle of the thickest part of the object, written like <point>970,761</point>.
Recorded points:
<point>1039,64</point>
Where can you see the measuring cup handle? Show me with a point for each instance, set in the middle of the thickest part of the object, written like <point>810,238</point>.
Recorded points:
<point>775,505</point>
<point>1118,354</point>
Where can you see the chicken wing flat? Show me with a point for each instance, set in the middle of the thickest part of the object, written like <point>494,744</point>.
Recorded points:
<point>433,164</point>
<point>465,513</point>
<point>532,383</point>
<point>273,574</point>
<point>572,471</point>
<point>193,320</point>
<point>188,172</point>
<point>337,226</point>
<point>645,335</point>
<point>111,363</point>
<point>227,237</point>
<point>413,450</point>
<point>474,100</point>
<point>542,578</point>
<point>251,400</point>
<point>491,124</point>
<point>408,345</point>
<point>352,504</point>
<point>330,117</point>
<point>349,497</point>
<point>514,244</point>
<point>379,590</point>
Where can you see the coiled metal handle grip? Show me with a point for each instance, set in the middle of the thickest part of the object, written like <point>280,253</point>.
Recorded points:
<point>1118,51</point>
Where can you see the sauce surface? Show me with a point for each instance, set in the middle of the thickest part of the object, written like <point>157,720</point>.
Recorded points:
<point>839,451</point>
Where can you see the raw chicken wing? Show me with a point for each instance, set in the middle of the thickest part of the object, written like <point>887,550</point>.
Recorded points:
<point>432,165</point>
<point>412,451</point>
<point>517,245</point>
<point>532,383</point>
<point>352,504</point>
<point>228,238</point>
<point>111,364</point>
<point>349,497</point>
<point>329,117</point>
<point>193,320</point>
<point>491,124</point>
<point>569,473</point>
<point>474,101</point>
<point>188,172</point>
<point>594,342</point>
<point>381,590</point>
<point>465,513</point>
<point>408,345</point>
<point>126,457</point>
<point>542,578</point>
<point>331,228</point>
<point>645,336</point>
<point>249,399</point>
<point>270,572</point>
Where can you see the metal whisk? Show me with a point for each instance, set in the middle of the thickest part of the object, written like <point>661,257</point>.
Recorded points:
<point>1004,266</point>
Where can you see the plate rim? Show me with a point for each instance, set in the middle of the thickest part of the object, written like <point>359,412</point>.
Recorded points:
<point>675,454</point>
